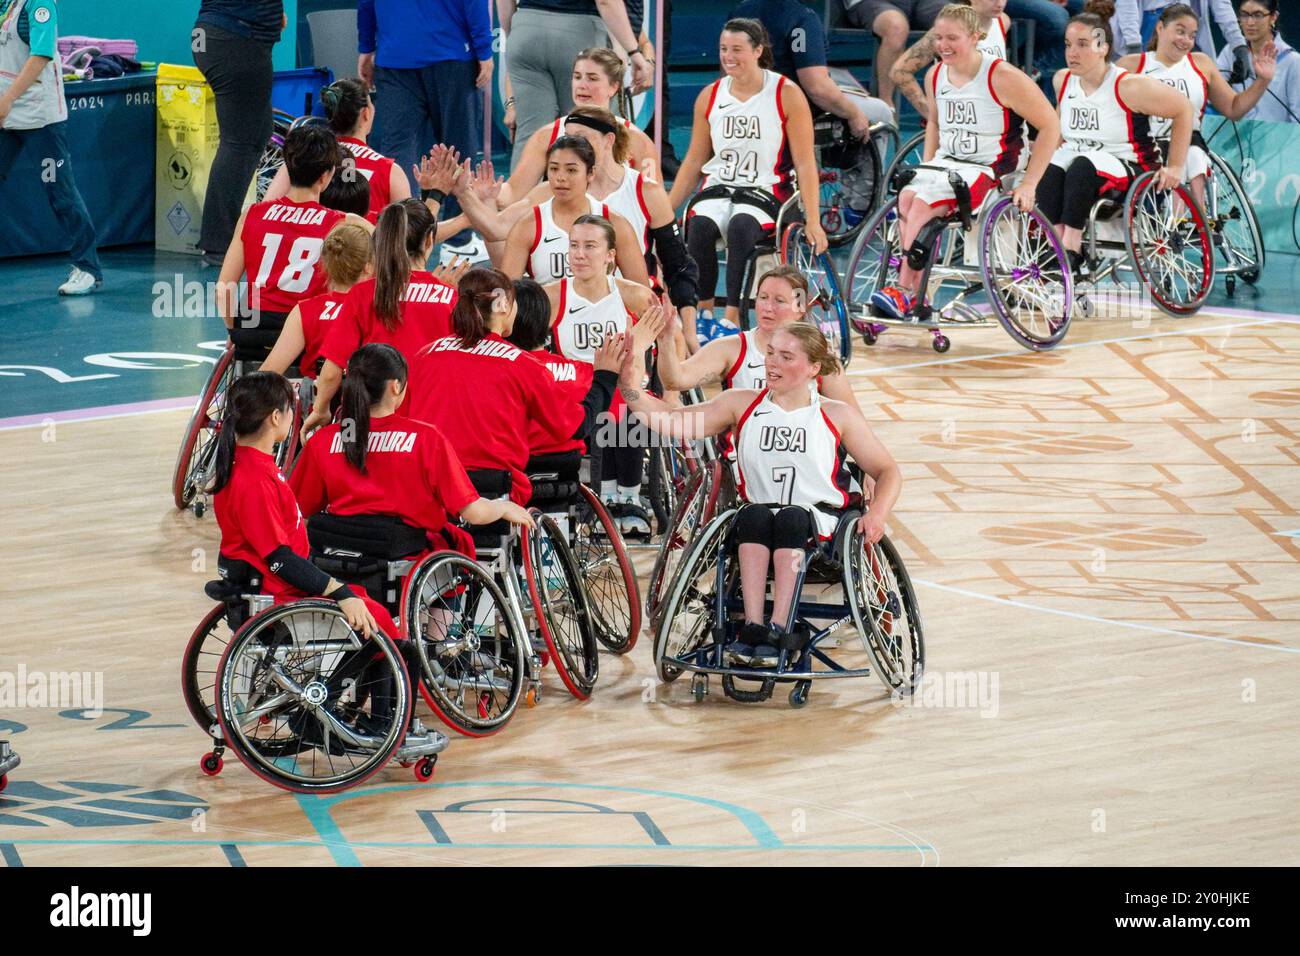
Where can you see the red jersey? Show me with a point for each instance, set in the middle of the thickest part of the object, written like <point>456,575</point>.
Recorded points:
<point>317,314</point>
<point>376,167</point>
<point>282,241</point>
<point>487,400</point>
<point>424,315</point>
<point>412,472</point>
<point>574,379</point>
<point>257,513</point>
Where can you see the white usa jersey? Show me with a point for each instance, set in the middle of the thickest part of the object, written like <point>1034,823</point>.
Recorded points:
<point>973,126</point>
<point>790,458</point>
<point>548,258</point>
<point>581,326</point>
<point>1186,79</point>
<point>629,202</point>
<point>995,44</point>
<point>1102,123</point>
<point>750,368</point>
<point>749,142</point>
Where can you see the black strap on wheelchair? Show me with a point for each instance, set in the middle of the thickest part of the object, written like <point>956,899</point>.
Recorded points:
<point>962,192</point>
<point>381,537</point>
<point>491,482</point>
<point>760,198</point>
<point>901,178</point>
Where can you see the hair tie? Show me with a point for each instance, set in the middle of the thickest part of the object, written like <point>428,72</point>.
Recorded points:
<point>591,122</point>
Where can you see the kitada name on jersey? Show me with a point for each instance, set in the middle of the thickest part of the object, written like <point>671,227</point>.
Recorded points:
<point>299,215</point>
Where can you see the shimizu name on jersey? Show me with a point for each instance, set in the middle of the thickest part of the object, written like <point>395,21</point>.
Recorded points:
<point>428,292</point>
<point>379,441</point>
<point>487,347</point>
<point>299,215</point>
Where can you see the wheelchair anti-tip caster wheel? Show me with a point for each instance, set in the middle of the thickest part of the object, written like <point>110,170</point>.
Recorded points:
<point>941,343</point>
<point>199,508</point>
<point>799,695</point>
<point>700,687</point>
<point>424,768</point>
<point>870,336</point>
<point>211,764</point>
<point>1230,284</point>
<point>531,696</point>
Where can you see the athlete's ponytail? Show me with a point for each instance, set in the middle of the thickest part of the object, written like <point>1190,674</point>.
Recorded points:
<point>249,401</point>
<point>400,237</point>
<point>369,371</point>
<point>344,102</point>
<point>605,122</point>
<point>478,292</point>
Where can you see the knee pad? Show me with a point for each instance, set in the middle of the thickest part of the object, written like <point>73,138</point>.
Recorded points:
<point>754,526</point>
<point>791,528</point>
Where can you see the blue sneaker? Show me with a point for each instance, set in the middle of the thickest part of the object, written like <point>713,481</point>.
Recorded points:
<point>722,329</point>
<point>891,302</point>
<point>706,328</point>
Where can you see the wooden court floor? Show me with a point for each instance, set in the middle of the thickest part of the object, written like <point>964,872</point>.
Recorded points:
<point>1105,541</point>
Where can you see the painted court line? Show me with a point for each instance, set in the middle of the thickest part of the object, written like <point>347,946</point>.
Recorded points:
<point>1131,625</point>
<point>98,413</point>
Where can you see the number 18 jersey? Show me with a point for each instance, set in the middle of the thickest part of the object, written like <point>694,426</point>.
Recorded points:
<point>282,242</point>
<point>749,141</point>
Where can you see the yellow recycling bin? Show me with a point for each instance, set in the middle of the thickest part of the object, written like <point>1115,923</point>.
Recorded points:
<point>188,137</point>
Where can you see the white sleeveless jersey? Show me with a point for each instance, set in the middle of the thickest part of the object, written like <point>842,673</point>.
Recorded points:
<point>750,369</point>
<point>749,142</point>
<point>995,44</point>
<point>1184,77</point>
<point>581,326</point>
<point>548,258</point>
<point>627,200</point>
<point>790,458</point>
<point>973,126</point>
<point>1102,123</point>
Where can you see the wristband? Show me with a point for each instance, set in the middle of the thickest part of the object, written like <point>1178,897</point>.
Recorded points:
<point>341,593</point>
<point>510,101</point>
<point>437,195</point>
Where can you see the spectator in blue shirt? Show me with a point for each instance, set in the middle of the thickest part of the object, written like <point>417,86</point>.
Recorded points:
<point>429,61</point>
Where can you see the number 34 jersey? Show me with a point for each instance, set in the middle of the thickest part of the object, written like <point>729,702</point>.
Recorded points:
<point>791,458</point>
<point>974,127</point>
<point>749,142</point>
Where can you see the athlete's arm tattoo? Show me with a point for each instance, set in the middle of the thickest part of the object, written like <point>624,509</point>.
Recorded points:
<point>905,68</point>
<point>630,395</point>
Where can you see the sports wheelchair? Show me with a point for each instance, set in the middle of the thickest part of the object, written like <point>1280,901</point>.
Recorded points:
<point>1012,259</point>
<point>704,611</point>
<point>8,761</point>
<point>1233,225</point>
<point>196,459</point>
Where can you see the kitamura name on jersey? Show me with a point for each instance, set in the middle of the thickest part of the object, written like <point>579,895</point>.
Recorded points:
<point>379,442</point>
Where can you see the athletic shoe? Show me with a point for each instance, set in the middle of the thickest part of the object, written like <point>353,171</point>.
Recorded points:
<point>741,649</point>
<point>704,326</point>
<point>851,217</point>
<point>724,328</point>
<point>80,283</point>
<point>765,655</point>
<point>634,521</point>
<point>475,251</point>
<point>892,302</point>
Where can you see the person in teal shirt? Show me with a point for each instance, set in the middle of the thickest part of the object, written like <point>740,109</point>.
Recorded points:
<point>33,114</point>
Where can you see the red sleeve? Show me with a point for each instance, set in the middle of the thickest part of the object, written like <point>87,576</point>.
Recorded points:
<point>258,518</point>
<point>548,406</point>
<point>450,483</point>
<point>308,480</point>
<point>344,336</point>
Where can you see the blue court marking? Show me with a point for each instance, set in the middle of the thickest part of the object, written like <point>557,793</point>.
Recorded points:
<point>233,855</point>
<point>1287,534</point>
<point>9,853</point>
<point>430,820</point>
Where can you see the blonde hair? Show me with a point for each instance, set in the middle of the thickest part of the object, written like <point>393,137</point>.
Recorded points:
<point>965,15</point>
<point>622,139</point>
<point>607,60</point>
<point>814,345</point>
<point>345,254</point>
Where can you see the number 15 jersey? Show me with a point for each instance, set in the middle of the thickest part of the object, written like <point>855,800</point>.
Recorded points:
<point>974,127</point>
<point>749,142</point>
<point>282,243</point>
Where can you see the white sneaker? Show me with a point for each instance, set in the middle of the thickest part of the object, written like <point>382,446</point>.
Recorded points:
<point>475,251</point>
<point>80,283</point>
<point>633,515</point>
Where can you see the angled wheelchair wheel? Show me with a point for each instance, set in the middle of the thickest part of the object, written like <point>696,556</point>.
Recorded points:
<point>559,601</point>
<point>1026,275</point>
<point>272,158</point>
<point>827,309</point>
<point>1169,245</point>
<point>691,616</point>
<point>471,651</point>
<point>911,152</point>
<point>607,571</point>
<point>695,508</point>
<point>873,264</point>
<point>849,172</point>
<point>200,665</point>
<point>307,703</point>
<point>1233,222</point>
<point>884,609</point>
<point>198,449</point>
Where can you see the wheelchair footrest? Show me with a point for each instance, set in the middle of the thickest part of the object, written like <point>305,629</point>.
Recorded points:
<point>748,696</point>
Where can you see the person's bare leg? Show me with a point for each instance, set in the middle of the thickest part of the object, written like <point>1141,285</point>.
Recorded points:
<point>890,26</point>
<point>785,567</point>
<point>919,213</point>
<point>754,560</point>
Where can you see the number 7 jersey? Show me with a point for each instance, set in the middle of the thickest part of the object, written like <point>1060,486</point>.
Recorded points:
<point>749,142</point>
<point>282,242</point>
<point>791,458</point>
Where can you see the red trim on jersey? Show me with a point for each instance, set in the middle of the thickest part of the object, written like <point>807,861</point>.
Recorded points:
<point>779,189</point>
<point>645,210</point>
<point>555,130</point>
<point>1144,152</point>
<point>744,346</point>
<point>537,239</point>
<point>835,468</point>
<point>934,83</point>
<point>735,443</point>
<point>708,110</point>
<point>1142,62</point>
<point>989,79</point>
<point>1007,156</point>
<point>1205,98</point>
<point>1060,100</point>
<point>1119,183</point>
<point>978,190</point>
<point>559,317</point>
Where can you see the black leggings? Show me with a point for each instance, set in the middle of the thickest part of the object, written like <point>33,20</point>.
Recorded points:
<point>743,234</point>
<point>1066,196</point>
<point>790,527</point>
<point>626,463</point>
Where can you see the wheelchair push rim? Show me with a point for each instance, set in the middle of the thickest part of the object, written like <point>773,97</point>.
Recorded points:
<point>873,264</point>
<point>201,666</point>
<point>276,702</point>
<point>199,446</point>
<point>471,652</point>
<point>1243,255</point>
<point>607,572</point>
<point>694,592</point>
<point>826,310</point>
<point>883,605</point>
<point>559,603</point>
<point>694,510</point>
<point>1169,245</point>
<point>1026,275</point>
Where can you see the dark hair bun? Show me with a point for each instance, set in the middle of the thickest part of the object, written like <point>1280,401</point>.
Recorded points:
<point>1102,8</point>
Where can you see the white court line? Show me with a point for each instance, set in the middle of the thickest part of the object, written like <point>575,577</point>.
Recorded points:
<point>1151,628</point>
<point>188,404</point>
<point>885,369</point>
